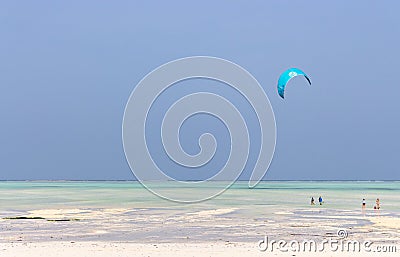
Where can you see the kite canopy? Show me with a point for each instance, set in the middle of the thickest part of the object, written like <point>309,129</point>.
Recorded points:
<point>288,75</point>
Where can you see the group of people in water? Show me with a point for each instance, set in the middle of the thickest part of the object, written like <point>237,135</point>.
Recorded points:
<point>377,205</point>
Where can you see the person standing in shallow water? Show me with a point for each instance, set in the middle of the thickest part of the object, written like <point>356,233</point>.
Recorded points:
<point>312,201</point>
<point>320,200</point>
<point>363,206</point>
<point>377,204</point>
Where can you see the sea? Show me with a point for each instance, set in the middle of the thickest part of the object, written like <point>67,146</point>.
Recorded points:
<point>345,195</point>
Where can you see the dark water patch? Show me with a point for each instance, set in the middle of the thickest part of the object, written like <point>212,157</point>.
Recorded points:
<point>38,218</point>
<point>57,220</point>
<point>24,218</point>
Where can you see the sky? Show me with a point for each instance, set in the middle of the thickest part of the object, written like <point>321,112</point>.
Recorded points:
<point>68,68</point>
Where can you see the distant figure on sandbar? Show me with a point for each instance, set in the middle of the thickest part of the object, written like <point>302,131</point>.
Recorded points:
<point>377,204</point>
<point>363,206</point>
<point>320,200</point>
<point>312,201</point>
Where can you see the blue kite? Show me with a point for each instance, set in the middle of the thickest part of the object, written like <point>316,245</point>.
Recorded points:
<point>288,75</point>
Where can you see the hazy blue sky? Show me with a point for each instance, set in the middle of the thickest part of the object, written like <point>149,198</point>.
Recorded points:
<point>67,69</point>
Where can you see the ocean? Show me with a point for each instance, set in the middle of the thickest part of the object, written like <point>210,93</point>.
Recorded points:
<point>26,195</point>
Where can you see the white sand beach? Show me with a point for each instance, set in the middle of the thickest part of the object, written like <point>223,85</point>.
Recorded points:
<point>107,249</point>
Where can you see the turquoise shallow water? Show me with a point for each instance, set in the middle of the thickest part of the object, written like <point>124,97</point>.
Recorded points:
<point>25,195</point>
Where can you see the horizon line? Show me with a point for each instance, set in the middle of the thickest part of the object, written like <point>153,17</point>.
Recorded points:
<point>128,180</point>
